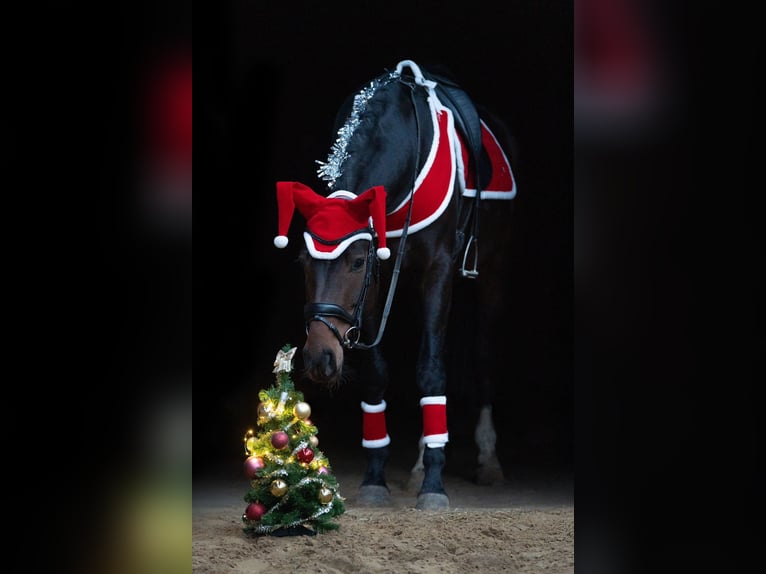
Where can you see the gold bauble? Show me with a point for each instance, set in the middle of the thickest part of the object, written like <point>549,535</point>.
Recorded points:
<point>302,410</point>
<point>278,487</point>
<point>263,412</point>
<point>325,495</point>
<point>313,441</point>
<point>250,444</point>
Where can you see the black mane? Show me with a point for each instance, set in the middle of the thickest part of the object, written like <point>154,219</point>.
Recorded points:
<point>381,149</point>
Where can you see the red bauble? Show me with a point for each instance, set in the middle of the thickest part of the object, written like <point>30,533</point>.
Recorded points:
<point>305,455</point>
<point>254,511</point>
<point>279,440</point>
<point>252,465</point>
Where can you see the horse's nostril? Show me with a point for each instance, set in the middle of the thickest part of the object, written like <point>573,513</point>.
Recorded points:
<point>328,363</point>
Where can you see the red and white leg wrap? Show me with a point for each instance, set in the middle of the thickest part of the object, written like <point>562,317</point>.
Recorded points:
<point>374,434</point>
<point>435,433</point>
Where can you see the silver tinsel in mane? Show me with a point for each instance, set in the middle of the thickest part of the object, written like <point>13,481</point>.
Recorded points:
<point>331,170</point>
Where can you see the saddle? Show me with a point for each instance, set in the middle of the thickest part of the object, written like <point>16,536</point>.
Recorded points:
<point>467,120</point>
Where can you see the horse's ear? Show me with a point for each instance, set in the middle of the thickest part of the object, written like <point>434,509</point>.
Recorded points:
<point>292,194</point>
<point>375,198</point>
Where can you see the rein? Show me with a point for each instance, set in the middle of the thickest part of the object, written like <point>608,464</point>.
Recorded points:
<point>319,311</point>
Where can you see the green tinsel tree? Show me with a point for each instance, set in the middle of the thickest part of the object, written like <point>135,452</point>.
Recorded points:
<point>293,490</point>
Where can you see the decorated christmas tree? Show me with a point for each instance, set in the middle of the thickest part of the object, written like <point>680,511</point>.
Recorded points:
<point>292,489</point>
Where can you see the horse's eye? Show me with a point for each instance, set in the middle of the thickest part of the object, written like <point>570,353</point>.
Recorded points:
<point>357,264</point>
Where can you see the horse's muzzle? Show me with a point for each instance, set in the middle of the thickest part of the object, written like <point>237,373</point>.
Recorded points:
<point>321,366</point>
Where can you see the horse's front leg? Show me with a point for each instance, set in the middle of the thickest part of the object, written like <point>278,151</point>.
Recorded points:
<point>374,491</point>
<point>431,375</point>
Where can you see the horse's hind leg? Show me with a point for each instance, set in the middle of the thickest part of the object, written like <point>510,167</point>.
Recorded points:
<point>488,470</point>
<point>374,491</point>
<point>417,473</point>
<point>488,353</point>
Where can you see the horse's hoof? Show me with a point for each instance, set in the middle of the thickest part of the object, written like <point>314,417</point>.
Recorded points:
<point>432,501</point>
<point>489,474</point>
<point>374,495</point>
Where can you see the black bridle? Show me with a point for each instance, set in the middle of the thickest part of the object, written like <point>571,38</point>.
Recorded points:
<point>320,311</point>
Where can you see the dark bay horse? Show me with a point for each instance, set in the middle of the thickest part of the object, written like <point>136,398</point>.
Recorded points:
<point>415,172</point>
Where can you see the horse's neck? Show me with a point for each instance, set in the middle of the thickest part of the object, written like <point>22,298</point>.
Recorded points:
<point>392,157</point>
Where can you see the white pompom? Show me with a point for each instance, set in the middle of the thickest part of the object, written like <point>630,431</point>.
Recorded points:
<point>384,253</point>
<point>280,241</point>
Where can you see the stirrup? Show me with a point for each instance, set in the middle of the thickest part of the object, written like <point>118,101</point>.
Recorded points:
<point>471,273</point>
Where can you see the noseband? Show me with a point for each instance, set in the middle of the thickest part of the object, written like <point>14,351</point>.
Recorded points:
<point>320,311</point>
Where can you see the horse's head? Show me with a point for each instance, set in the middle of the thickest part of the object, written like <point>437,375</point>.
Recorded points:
<point>338,262</point>
<point>338,292</point>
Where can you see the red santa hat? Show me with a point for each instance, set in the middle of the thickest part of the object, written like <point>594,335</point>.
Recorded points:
<point>334,222</point>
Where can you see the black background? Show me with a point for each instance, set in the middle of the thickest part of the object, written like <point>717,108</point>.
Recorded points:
<point>273,76</point>
<point>667,419</point>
